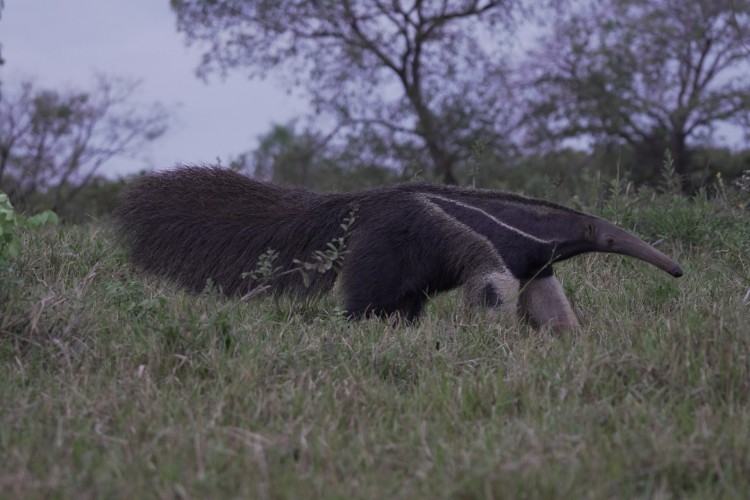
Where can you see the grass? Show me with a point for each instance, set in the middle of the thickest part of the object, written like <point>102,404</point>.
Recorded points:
<point>116,385</point>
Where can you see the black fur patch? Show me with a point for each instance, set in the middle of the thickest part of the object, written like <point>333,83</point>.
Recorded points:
<point>490,297</point>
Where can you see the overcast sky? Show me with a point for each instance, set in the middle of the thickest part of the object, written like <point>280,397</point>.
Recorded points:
<point>64,42</point>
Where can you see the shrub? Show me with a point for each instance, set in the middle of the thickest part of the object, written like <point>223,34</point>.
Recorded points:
<point>12,224</point>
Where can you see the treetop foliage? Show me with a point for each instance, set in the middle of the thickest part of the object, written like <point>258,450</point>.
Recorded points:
<point>410,72</point>
<point>654,74</point>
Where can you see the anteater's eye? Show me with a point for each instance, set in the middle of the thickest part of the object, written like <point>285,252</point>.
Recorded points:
<point>609,241</point>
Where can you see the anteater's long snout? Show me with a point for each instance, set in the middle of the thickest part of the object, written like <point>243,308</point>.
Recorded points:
<point>613,239</point>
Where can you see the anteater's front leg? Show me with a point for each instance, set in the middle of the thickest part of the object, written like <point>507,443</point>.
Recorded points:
<point>393,270</point>
<point>544,303</point>
<point>495,289</point>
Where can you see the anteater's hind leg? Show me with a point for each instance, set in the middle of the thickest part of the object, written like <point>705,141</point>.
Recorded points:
<point>544,303</point>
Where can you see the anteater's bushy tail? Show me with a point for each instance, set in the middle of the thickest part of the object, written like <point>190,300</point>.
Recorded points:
<point>195,224</point>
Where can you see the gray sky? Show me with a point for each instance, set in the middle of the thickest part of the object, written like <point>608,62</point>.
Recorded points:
<point>64,42</point>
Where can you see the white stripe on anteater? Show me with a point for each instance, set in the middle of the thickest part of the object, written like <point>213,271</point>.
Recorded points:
<point>493,273</point>
<point>492,218</point>
<point>498,263</point>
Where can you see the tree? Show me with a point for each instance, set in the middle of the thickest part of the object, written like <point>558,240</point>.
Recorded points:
<point>2,61</point>
<point>2,6</point>
<point>653,74</point>
<point>54,141</point>
<point>308,158</point>
<point>417,74</point>
<point>285,156</point>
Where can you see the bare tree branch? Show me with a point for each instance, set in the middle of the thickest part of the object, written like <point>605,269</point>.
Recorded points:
<point>56,141</point>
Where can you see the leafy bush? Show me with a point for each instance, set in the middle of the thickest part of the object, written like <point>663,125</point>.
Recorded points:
<point>12,224</point>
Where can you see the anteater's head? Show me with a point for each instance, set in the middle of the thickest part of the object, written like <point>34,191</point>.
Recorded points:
<point>603,236</point>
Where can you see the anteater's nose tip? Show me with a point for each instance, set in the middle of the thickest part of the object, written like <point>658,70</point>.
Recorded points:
<point>676,271</point>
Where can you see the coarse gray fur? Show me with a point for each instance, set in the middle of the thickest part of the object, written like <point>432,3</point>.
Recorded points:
<point>409,241</point>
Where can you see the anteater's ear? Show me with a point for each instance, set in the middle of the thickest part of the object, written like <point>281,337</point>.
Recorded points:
<point>589,231</point>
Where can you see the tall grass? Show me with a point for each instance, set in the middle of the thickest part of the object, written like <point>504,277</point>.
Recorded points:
<point>113,384</point>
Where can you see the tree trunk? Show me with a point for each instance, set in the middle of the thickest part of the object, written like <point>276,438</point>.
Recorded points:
<point>4,155</point>
<point>681,158</point>
<point>441,160</point>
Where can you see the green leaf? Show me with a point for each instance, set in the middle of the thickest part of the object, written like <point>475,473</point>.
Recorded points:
<point>47,217</point>
<point>13,248</point>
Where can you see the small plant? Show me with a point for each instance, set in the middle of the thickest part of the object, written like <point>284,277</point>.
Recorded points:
<point>670,180</point>
<point>263,273</point>
<point>333,256</point>
<point>478,148</point>
<point>321,261</point>
<point>743,182</point>
<point>264,269</point>
<point>12,224</point>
